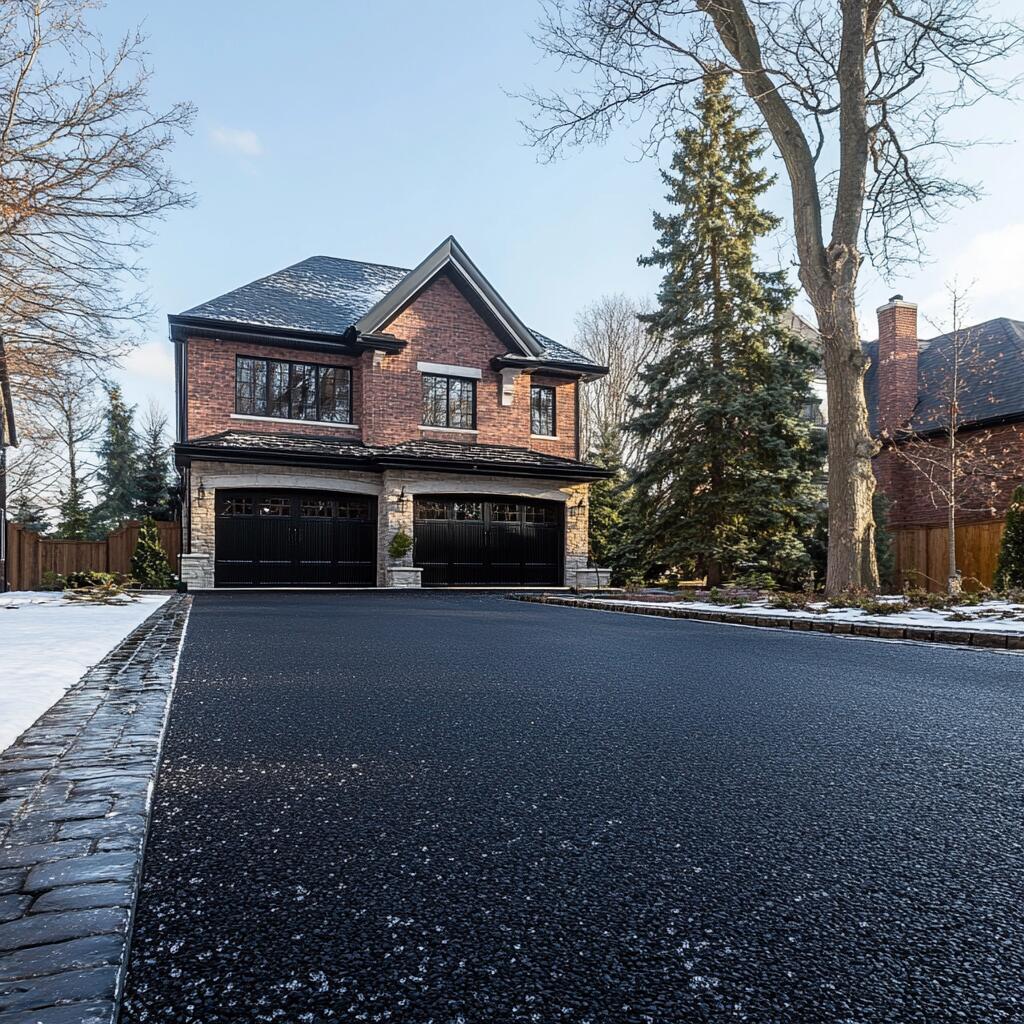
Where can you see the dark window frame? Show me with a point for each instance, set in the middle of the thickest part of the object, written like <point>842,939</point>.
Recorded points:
<point>535,389</point>
<point>447,378</point>
<point>291,364</point>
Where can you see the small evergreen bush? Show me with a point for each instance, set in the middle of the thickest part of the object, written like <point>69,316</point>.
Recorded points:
<point>400,546</point>
<point>1010,567</point>
<point>149,562</point>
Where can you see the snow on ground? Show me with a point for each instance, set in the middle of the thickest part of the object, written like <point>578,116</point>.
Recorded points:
<point>990,616</point>
<point>46,645</point>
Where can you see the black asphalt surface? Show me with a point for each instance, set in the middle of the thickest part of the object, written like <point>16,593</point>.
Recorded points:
<point>456,808</point>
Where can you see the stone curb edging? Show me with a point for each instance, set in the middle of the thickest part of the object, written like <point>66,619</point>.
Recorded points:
<point>987,639</point>
<point>76,793</point>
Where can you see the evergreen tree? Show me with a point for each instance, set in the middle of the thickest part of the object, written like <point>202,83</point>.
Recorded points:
<point>118,470</point>
<point>153,493</point>
<point>149,561</point>
<point>727,478</point>
<point>1010,566</point>
<point>76,516</point>
<point>29,515</point>
<point>607,499</point>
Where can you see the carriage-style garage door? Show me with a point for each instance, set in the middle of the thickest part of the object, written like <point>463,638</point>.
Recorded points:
<point>295,538</point>
<point>502,542</point>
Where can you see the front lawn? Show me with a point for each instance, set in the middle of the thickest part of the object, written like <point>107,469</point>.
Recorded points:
<point>46,645</point>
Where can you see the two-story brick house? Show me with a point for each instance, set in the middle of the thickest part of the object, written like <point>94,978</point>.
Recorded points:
<point>335,404</point>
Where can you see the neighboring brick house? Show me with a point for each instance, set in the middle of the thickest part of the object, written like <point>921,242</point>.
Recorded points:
<point>326,408</point>
<point>908,390</point>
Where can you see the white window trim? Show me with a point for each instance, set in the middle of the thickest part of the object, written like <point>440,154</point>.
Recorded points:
<point>444,370</point>
<point>451,430</point>
<point>285,419</point>
<point>543,437</point>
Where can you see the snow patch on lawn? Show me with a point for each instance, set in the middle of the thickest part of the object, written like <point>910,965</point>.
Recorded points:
<point>47,644</point>
<point>987,616</point>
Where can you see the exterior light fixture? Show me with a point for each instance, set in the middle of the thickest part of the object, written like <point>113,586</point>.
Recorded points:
<point>200,493</point>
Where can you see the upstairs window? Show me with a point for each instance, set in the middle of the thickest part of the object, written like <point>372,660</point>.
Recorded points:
<point>449,402</point>
<point>542,410</point>
<point>293,391</point>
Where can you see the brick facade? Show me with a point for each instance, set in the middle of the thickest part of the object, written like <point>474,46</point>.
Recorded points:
<point>440,326</point>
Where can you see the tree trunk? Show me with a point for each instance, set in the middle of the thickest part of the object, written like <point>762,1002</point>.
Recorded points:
<point>851,481</point>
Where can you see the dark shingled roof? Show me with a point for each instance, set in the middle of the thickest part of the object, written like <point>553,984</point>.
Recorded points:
<point>325,295</point>
<point>991,372</point>
<point>454,453</point>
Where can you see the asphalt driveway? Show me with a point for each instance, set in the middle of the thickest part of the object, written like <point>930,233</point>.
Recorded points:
<point>456,808</point>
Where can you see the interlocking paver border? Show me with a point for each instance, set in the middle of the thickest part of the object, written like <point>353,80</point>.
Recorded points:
<point>987,639</point>
<point>75,795</point>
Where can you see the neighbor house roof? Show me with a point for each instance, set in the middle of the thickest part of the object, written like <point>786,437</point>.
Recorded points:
<point>991,371</point>
<point>326,297</point>
<point>505,460</point>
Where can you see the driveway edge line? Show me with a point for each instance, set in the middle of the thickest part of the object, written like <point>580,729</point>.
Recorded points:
<point>976,639</point>
<point>76,797</point>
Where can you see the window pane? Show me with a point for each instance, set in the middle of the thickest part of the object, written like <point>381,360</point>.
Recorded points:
<point>335,394</point>
<point>279,389</point>
<point>466,510</point>
<point>316,508</point>
<point>504,513</point>
<point>542,410</point>
<point>303,391</point>
<point>276,507</point>
<point>357,509</point>
<point>236,507</point>
<point>435,401</point>
<point>251,386</point>
<point>540,514</point>
<point>431,510</point>
<point>460,402</point>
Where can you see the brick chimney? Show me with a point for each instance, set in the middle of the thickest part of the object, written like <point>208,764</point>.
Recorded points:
<point>896,373</point>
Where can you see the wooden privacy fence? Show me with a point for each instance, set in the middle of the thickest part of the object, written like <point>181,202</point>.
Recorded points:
<point>29,556</point>
<point>921,556</point>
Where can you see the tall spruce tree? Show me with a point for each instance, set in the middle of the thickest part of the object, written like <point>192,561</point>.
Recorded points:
<point>29,514</point>
<point>607,500</point>
<point>153,489</point>
<point>77,517</point>
<point>118,470</point>
<point>727,479</point>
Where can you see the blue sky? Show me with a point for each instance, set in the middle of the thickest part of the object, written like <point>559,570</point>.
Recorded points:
<point>373,130</point>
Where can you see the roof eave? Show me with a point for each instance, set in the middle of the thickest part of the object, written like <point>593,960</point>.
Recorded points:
<point>588,370</point>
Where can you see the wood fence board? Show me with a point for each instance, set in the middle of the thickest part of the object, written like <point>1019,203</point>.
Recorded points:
<point>30,556</point>
<point>921,558</point>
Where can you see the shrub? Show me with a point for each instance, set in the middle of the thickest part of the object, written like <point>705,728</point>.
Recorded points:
<point>52,581</point>
<point>149,561</point>
<point>1010,567</point>
<point>400,546</point>
<point>755,581</point>
<point>86,578</point>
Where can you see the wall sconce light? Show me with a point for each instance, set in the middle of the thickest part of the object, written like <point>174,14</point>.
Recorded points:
<point>200,493</point>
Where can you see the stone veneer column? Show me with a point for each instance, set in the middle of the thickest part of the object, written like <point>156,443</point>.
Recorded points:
<point>394,514</point>
<point>577,531</point>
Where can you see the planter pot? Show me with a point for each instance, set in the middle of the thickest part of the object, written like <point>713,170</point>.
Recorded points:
<point>404,576</point>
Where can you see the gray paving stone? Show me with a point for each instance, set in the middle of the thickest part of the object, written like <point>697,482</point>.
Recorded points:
<point>40,929</point>
<point>13,906</point>
<point>135,785</point>
<point>61,956</point>
<point>37,853</point>
<point>83,897</point>
<point>11,881</point>
<point>88,986</point>
<point>75,810</point>
<point>33,830</point>
<point>78,1013</point>
<point>97,828</point>
<point>97,867</point>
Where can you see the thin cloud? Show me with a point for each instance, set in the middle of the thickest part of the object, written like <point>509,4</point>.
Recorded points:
<point>240,141</point>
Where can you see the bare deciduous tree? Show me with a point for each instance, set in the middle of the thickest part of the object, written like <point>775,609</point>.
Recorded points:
<point>609,332</point>
<point>962,469</point>
<point>854,94</point>
<point>82,176</point>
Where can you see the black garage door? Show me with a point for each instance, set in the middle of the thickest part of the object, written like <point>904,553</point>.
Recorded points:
<point>479,542</point>
<point>295,538</point>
